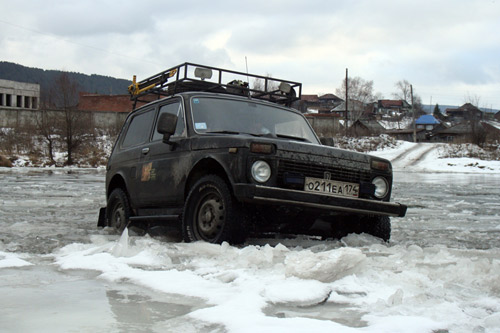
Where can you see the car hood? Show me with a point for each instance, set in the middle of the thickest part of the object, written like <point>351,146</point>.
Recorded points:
<point>286,148</point>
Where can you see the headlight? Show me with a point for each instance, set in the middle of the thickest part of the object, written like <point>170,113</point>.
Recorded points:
<point>381,187</point>
<point>261,171</point>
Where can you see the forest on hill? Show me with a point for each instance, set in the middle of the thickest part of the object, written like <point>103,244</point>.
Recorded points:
<point>94,83</point>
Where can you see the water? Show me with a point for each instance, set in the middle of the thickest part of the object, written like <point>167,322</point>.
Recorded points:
<point>440,270</point>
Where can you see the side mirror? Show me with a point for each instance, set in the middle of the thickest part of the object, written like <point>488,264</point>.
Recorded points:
<point>166,126</point>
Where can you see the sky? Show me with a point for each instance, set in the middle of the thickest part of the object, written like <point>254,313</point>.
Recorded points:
<point>449,50</point>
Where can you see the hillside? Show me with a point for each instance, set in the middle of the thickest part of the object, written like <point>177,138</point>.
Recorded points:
<point>88,83</point>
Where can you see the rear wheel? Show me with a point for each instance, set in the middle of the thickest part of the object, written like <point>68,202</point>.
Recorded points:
<point>300,223</point>
<point>118,210</point>
<point>211,214</point>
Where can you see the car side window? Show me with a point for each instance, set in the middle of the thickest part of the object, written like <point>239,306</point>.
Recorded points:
<point>172,108</point>
<point>139,129</point>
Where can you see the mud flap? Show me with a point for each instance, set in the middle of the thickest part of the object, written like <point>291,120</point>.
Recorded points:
<point>101,221</point>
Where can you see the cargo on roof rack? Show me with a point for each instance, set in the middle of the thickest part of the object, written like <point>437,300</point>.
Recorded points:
<point>194,77</point>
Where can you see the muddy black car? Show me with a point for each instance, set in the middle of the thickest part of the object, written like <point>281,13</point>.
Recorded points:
<point>223,160</point>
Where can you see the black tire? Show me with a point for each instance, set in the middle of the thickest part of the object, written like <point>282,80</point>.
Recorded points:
<point>299,224</point>
<point>379,226</point>
<point>211,214</point>
<point>118,210</point>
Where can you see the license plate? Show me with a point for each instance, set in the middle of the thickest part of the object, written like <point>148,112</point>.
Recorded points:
<point>331,187</point>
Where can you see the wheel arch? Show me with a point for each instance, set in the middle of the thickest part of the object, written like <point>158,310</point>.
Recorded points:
<point>118,181</point>
<point>207,166</point>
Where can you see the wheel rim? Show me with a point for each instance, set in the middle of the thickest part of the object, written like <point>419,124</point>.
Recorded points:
<point>210,216</point>
<point>118,218</point>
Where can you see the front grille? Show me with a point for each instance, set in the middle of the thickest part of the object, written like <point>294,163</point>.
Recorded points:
<point>338,173</point>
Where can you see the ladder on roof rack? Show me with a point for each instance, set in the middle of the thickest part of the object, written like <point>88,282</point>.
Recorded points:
<point>194,77</point>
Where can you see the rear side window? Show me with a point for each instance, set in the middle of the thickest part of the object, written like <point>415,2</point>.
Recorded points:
<point>139,129</point>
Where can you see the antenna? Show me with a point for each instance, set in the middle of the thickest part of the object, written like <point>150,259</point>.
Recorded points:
<point>248,78</point>
<point>246,64</point>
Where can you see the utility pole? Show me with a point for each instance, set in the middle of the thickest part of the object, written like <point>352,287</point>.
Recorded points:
<point>346,121</point>
<point>413,112</point>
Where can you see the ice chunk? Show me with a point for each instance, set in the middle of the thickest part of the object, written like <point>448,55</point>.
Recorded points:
<point>324,266</point>
<point>297,292</point>
<point>121,248</point>
<point>12,260</point>
<point>492,322</point>
<point>396,298</point>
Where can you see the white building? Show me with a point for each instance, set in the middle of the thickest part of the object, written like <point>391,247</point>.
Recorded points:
<point>19,95</point>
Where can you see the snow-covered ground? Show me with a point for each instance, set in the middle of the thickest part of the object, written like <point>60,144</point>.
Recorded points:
<point>431,158</point>
<point>439,273</point>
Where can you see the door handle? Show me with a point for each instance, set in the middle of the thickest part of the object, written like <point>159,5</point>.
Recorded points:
<point>145,151</point>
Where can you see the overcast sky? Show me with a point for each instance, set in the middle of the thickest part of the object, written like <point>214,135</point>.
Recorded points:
<point>449,50</point>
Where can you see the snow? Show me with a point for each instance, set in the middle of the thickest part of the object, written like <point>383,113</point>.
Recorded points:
<point>439,273</point>
<point>399,288</point>
<point>12,260</point>
<point>429,157</point>
<point>394,125</point>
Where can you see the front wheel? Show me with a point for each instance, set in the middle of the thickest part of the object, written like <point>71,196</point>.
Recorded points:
<point>211,214</point>
<point>379,226</point>
<point>118,210</point>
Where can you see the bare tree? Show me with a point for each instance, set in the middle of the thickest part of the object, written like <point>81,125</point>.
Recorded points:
<point>403,91</point>
<point>472,99</point>
<point>75,125</point>
<point>259,84</point>
<point>478,133</point>
<point>360,93</point>
<point>47,126</point>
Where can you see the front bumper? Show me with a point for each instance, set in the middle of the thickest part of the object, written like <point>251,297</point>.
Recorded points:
<point>278,196</point>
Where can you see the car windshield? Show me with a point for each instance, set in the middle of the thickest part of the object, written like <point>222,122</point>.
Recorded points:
<point>221,115</point>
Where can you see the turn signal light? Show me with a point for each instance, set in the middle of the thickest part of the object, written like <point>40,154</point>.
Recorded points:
<point>381,165</point>
<point>261,148</point>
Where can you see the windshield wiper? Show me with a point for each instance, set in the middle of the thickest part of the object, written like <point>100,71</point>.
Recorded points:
<point>222,132</point>
<point>268,135</point>
<point>235,132</point>
<point>298,138</point>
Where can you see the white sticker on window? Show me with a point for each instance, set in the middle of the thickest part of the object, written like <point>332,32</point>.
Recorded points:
<point>200,126</point>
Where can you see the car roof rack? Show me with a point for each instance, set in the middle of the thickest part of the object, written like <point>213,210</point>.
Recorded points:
<point>193,77</point>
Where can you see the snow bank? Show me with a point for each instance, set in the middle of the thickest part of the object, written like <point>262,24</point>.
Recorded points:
<point>433,157</point>
<point>8,260</point>
<point>389,288</point>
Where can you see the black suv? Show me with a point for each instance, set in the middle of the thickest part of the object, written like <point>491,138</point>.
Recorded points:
<point>226,159</point>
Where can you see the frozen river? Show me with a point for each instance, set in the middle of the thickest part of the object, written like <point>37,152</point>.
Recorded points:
<point>59,272</point>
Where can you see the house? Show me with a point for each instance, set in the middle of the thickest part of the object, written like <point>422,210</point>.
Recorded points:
<point>306,103</point>
<point>407,134</point>
<point>110,103</point>
<point>317,104</point>
<point>392,108</point>
<point>97,102</point>
<point>356,110</point>
<point>492,129</point>
<point>427,122</point>
<point>465,112</point>
<point>325,124</point>
<point>329,101</point>
<point>497,116</point>
<point>453,134</point>
<point>366,128</point>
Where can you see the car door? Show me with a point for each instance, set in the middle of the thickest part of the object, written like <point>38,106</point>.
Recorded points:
<point>131,149</point>
<point>163,167</point>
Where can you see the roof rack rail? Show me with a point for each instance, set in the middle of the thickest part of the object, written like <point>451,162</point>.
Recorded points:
<point>194,77</point>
